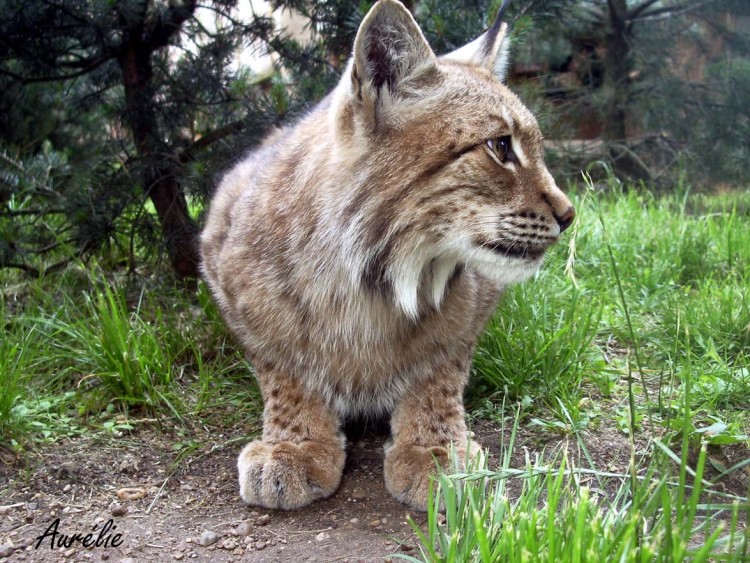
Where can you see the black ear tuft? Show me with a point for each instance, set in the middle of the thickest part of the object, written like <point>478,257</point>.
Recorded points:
<point>489,50</point>
<point>488,43</point>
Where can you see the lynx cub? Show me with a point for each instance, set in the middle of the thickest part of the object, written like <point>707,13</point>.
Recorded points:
<point>357,255</point>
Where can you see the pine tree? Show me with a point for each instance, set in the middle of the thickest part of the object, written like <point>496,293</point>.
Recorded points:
<point>142,81</point>
<point>106,105</point>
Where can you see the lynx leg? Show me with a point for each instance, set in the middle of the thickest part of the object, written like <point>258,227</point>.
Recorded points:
<point>424,424</point>
<point>301,456</point>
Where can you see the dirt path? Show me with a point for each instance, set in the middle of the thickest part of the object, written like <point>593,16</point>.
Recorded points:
<point>76,484</point>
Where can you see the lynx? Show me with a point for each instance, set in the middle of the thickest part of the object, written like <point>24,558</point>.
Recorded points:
<point>357,255</point>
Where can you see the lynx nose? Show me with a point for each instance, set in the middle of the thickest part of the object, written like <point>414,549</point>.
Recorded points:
<point>566,218</point>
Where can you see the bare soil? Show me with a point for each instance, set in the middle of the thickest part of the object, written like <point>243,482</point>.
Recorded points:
<point>195,501</point>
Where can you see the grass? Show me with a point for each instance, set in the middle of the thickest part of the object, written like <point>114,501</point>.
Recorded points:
<point>683,261</point>
<point>82,353</point>
<point>658,287</point>
<point>640,323</point>
<point>555,517</point>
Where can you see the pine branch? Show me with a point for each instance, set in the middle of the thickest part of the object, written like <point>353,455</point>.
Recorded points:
<point>671,11</point>
<point>638,10</point>
<point>210,138</point>
<point>93,64</point>
<point>168,22</point>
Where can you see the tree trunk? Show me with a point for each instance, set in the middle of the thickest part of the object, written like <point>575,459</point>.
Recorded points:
<point>617,67</point>
<point>158,172</point>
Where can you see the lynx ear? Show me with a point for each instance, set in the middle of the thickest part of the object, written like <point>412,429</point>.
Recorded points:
<point>388,50</point>
<point>489,50</point>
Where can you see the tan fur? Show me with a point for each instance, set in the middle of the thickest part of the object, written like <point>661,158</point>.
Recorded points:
<point>358,254</point>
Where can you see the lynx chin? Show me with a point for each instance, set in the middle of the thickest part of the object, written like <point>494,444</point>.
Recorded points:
<point>357,255</point>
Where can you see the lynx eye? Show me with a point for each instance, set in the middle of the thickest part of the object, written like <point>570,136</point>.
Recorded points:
<point>502,149</point>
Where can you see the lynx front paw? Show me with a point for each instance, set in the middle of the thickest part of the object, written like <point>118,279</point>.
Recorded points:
<point>288,475</point>
<point>409,469</point>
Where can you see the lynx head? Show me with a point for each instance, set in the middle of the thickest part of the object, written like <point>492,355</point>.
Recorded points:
<point>449,162</point>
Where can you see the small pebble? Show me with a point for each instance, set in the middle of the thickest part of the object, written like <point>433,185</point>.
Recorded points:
<point>208,538</point>
<point>6,550</point>
<point>263,520</point>
<point>119,510</point>
<point>374,523</point>
<point>354,521</point>
<point>260,545</point>
<point>243,529</point>
<point>67,488</point>
<point>179,556</point>
<point>322,536</point>
<point>229,544</point>
<point>69,553</point>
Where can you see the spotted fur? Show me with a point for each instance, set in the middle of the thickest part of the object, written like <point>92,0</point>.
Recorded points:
<point>357,255</point>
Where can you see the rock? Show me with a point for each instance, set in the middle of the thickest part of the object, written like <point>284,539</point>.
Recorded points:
<point>322,536</point>
<point>260,545</point>
<point>263,520</point>
<point>129,464</point>
<point>67,488</point>
<point>6,550</point>
<point>127,560</point>
<point>131,493</point>
<point>243,529</point>
<point>229,544</point>
<point>375,523</point>
<point>179,556</point>
<point>69,553</point>
<point>23,543</point>
<point>405,547</point>
<point>208,538</point>
<point>119,510</point>
<point>354,521</point>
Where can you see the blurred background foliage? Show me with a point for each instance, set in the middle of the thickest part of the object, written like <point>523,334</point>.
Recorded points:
<point>118,116</point>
